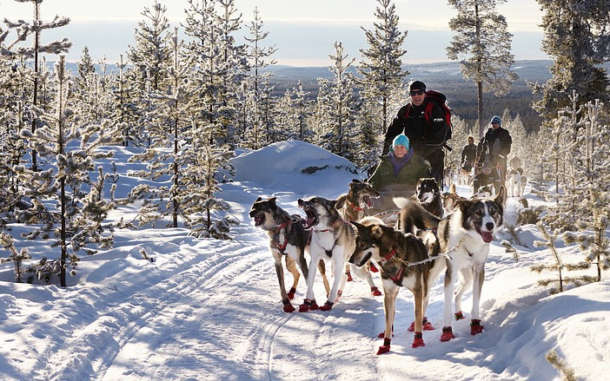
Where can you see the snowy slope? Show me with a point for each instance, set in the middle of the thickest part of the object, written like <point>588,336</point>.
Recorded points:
<point>211,310</point>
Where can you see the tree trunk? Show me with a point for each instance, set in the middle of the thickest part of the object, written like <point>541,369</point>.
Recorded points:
<point>480,108</point>
<point>36,72</point>
<point>62,181</point>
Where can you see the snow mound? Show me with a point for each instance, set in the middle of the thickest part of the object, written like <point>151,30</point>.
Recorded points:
<point>294,165</point>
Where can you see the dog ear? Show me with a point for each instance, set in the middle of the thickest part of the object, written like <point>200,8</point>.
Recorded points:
<point>377,231</point>
<point>356,181</point>
<point>272,201</point>
<point>339,202</point>
<point>464,205</point>
<point>258,198</point>
<point>300,203</point>
<point>358,226</point>
<point>500,196</point>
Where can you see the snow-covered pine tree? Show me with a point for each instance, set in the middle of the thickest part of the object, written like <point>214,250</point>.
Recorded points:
<point>70,146</point>
<point>460,132</point>
<point>367,141</point>
<point>165,158</point>
<point>482,39</point>
<point>35,27</point>
<point>17,257</point>
<point>576,36</point>
<point>320,120</point>
<point>124,110</point>
<point>151,53</point>
<point>86,68</point>
<point>284,120</point>
<point>341,116</point>
<point>558,265</point>
<point>204,213</point>
<point>381,64</point>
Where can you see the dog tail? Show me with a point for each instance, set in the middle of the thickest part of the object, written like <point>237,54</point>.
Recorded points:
<point>400,202</point>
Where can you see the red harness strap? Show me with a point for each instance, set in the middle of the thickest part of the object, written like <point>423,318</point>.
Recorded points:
<point>277,245</point>
<point>354,206</point>
<point>389,255</point>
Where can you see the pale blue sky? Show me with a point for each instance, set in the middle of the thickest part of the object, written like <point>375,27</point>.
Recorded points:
<point>302,30</point>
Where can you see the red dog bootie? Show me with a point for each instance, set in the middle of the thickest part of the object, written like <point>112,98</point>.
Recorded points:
<point>373,268</point>
<point>308,305</point>
<point>327,306</point>
<point>287,306</point>
<point>349,276</point>
<point>459,315</point>
<point>385,348</point>
<point>447,334</point>
<point>418,340</point>
<point>291,293</point>
<point>375,291</point>
<point>475,327</point>
<point>425,323</point>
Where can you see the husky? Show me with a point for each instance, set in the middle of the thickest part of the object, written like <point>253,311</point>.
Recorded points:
<point>287,237</point>
<point>351,207</point>
<point>450,199</point>
<point>332,238</point>
<point>516,181</point>
<point>406,261</point>
<point>428,194</point>
<point>464,237</point>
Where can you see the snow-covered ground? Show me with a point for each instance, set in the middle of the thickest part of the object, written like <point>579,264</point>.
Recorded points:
<point>210,310</point>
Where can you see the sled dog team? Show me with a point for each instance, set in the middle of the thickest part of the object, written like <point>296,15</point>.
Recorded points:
<point>413,254</point>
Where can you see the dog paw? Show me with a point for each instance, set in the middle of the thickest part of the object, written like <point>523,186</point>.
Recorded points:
<point>385,348</point>
<point>308,305</point>
<point>475,327</point>
<point>427,326</point>
<point>327,306</point>
<point>291,293</point>
<point>375,291</point>
<point>459,315</point>
<point>447,334</point>
<point>418,340</point>
<point>288,307</point>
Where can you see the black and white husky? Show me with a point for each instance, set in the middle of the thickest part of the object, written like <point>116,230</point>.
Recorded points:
<point>428,194</point>
<point>351,207</point>
<point>464,236</point>
<point>406,261</point>
<point>332,239</point>
<point>288,238</point>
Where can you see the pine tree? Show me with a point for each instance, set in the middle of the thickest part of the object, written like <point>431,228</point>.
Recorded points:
<point>341,114</point>
<point>576,36</point>
<point>17,257</point>
<point>165,157</point>
<point>55,47</point>
<point>381,66</point>
<point>484,42</point>
<point>85,69</point>
<point>367,141</point>
<point>80,213</point>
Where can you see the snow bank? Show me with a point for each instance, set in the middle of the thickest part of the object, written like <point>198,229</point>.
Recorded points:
<point>296,166</point>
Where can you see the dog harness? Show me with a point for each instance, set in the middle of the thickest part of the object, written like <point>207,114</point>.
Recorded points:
<point>276,244</point>
<point>354,206</point>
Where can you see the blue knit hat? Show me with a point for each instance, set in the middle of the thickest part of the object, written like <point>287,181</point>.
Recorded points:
<point>496,119</point>
<point>401,140</point>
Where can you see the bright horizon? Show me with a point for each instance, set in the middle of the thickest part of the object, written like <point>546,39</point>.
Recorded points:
<point>303,32</point>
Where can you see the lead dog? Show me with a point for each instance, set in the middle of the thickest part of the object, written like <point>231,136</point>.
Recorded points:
<point>332,238</point>
<point>464,236</point>
<point>287,237</point>
<point>406,261</point>
<point>351,207</point>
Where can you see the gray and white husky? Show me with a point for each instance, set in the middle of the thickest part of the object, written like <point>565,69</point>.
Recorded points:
<point>464,236</point>
<point>332,239</point>
<point>351,207</point>
<point>516,180</point>
<point>288,238</point>
<point>406,261</point>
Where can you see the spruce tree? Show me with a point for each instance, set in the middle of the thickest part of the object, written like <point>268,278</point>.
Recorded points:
<point>483,40</point>
<point>381,65</point>
<point>341,113</point>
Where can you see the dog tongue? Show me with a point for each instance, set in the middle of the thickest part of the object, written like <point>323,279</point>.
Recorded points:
<point>310,221</point>
<point>487,236</point>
